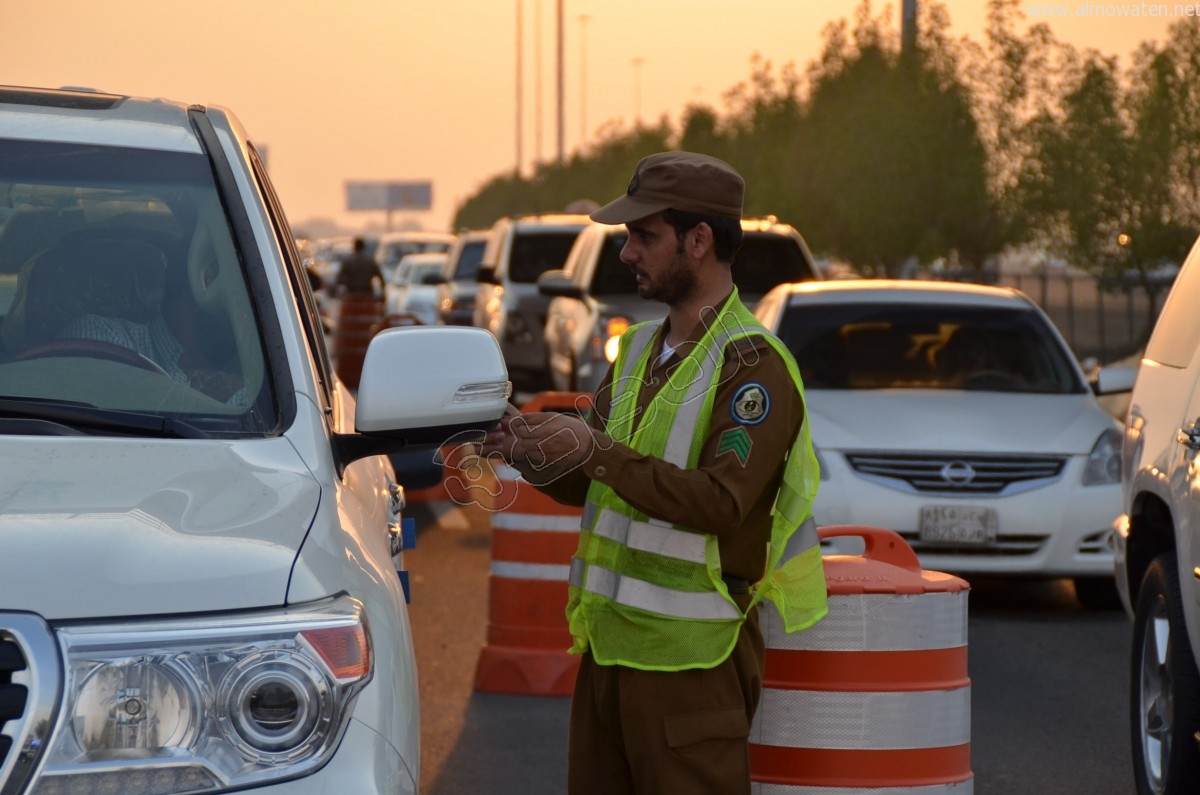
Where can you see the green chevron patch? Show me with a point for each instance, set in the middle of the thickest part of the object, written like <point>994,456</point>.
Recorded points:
<point>736,441</point>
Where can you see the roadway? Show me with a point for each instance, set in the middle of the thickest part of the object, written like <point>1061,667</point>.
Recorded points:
<point>1049,683</point>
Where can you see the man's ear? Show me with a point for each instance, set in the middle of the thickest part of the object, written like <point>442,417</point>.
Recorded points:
<point>702,240</point>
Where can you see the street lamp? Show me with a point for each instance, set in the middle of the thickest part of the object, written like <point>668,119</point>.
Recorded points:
<point>637,89</point>
<point>583,19</point>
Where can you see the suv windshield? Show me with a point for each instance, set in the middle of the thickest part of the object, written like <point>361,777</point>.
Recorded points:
<point>535,253</point>
<point>869,346</point>
<point>121,288</point>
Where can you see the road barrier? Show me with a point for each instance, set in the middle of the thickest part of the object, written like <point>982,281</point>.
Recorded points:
<point>875,697</point>
<point>533,540</point>
<point>357,321</point>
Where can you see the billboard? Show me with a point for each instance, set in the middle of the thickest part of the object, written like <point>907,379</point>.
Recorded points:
<point>389,195</point>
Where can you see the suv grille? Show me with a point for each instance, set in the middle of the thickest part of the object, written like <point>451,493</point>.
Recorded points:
<point>12,695</point>
<point>30,679</point>
<point>947,473</point>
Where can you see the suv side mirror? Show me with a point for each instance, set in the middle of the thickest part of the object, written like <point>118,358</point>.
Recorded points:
<point>423,387</point>
<point>557,283</point>
<point>486,274</point>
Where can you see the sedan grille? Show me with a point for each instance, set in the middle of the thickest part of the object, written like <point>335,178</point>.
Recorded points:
<point>949,473</point>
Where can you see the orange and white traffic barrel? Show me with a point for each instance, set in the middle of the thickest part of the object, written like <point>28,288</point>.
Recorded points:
<point>358,317</point>
<point>875,697</point>
<point>533,541</point>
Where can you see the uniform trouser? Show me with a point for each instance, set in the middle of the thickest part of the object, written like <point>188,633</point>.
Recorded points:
<point>666,732</point>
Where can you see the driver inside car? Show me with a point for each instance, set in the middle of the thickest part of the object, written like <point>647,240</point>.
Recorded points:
<point>105,297</point>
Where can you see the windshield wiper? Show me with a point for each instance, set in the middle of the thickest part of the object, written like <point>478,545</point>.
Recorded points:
<point>84,417</point>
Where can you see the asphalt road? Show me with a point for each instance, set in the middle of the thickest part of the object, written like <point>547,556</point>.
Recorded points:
<point>1048,706</point>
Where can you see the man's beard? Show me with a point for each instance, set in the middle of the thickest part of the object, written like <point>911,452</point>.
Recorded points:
<point>675,285</point>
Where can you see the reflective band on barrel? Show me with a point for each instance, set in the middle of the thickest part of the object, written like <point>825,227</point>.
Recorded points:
<point>871,721</point>
<point>877,622</point>
<point>559,523</point>
<point>957,788</point>
<point>529,571</point>
<point>632,592</point>
<point>656,537</point>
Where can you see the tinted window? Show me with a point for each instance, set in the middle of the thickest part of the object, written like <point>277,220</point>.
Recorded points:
<point>535,253</point>
<point>468,261</point>
<point>870,346</point>
<point>613,277</point>
<point>121,287</point>
<point>764,261</point>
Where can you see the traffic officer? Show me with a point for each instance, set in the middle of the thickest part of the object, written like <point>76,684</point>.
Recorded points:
<point>696,474</point>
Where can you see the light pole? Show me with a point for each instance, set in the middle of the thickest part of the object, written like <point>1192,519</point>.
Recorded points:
<point>583,19</point>
<point>520,108</point>
<point>637,90</point>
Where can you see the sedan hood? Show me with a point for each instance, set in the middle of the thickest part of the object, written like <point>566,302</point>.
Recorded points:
<point>93,527</point>
<point>957,421</point>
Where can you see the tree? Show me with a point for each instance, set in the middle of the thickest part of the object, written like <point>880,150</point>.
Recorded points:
<point>892,165</point>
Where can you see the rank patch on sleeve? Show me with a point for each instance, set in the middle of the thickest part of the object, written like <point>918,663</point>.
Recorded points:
<point>750,404</point>
<point>736,441</point>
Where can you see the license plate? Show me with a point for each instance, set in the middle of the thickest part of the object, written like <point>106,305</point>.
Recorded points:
<point>957,524</point>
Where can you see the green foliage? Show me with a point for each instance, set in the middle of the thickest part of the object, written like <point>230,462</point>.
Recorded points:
<point>953,148</point>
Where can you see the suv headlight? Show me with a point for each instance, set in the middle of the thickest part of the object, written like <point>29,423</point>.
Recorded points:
<point>205,705</point>
<point>610,334</point>
<point>1104,462</point>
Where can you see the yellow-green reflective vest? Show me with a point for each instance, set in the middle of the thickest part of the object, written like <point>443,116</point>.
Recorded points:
<point>648,594</point>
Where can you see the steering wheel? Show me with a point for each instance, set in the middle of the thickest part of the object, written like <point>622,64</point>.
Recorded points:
<point>91,349</point>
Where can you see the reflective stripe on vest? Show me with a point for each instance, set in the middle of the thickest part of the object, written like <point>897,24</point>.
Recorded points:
<point>632,592</point>
<point>651,536</point>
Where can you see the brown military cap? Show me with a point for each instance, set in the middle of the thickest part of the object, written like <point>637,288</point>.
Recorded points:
<point>684,181</point>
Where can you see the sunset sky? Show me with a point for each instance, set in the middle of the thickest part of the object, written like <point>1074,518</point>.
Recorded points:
<point>398,90</point>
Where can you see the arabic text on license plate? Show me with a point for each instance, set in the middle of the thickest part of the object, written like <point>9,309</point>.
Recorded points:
<point>957,524</point>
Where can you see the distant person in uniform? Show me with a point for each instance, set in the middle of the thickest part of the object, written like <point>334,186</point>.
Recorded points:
<point>360,273</point>
<point>697,475</point>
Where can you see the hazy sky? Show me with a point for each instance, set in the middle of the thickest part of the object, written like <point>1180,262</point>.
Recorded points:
<point>398,90</point>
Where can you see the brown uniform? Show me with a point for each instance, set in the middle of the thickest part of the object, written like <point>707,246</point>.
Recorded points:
<point>686,731</point>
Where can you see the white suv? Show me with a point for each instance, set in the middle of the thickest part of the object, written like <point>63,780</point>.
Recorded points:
<point>200,534</point>
<point>1158,545</point>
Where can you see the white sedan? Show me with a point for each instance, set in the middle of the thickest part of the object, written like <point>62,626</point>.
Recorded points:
<point>413,287</point>
<point>956,415</point>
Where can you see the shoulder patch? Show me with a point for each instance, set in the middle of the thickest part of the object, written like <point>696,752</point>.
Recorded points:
<point>750,404</point>
<point>736,441</point>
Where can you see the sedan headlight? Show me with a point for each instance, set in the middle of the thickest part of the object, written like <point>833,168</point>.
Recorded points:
<point>205,705</point>
<point>1104,462</point>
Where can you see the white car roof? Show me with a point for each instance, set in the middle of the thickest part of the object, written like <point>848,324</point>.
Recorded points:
<point>92,117</point>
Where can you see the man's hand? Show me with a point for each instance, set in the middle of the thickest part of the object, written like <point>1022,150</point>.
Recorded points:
<point>551,442</point>
<point>501,440</point>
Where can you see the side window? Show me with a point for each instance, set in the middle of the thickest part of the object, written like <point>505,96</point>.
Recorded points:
<point>310,318</point>
<point>1177,332</point>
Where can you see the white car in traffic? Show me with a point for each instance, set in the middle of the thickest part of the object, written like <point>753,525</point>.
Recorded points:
<point>957,416</point>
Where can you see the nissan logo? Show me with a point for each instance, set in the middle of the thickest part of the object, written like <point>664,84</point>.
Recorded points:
<point>957,473</point>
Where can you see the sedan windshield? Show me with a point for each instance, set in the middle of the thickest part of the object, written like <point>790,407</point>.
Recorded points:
<point>121,289</point>
<point>897,346</point>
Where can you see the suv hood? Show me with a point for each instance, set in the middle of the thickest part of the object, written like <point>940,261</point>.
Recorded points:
<point>950,420</point>
<point>101,527</point>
